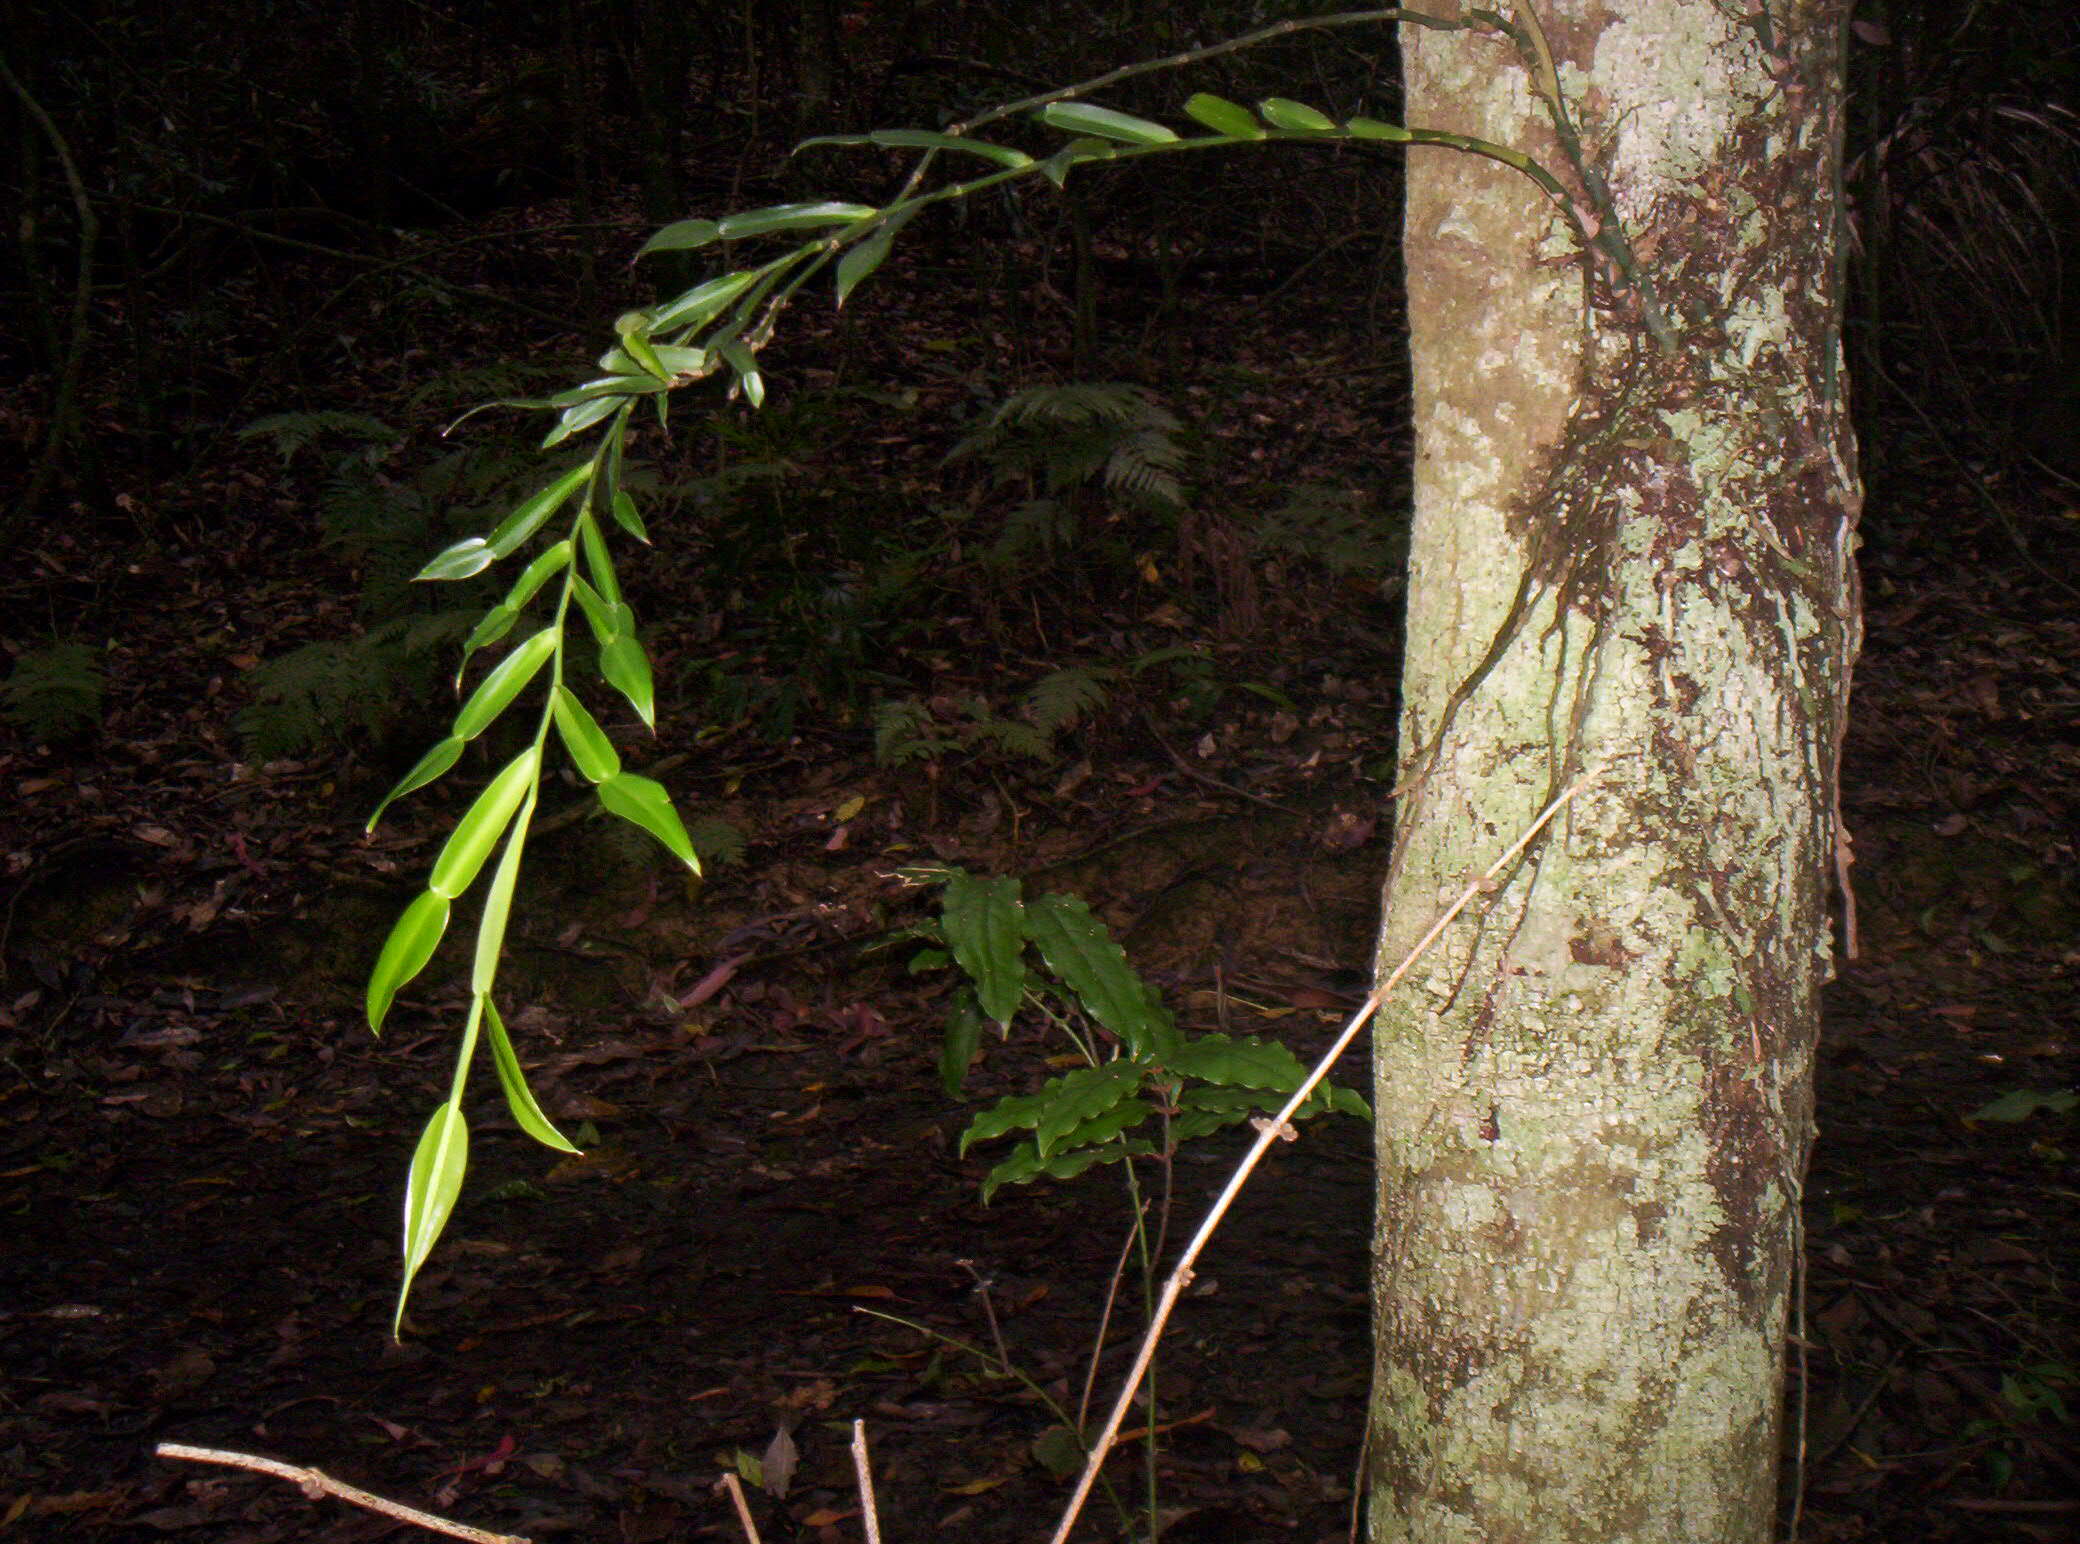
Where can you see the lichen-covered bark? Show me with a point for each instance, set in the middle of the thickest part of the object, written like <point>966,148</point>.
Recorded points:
<point>1594,1095</point>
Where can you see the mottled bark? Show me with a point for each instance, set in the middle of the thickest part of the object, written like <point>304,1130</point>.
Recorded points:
<point>1631,552</point>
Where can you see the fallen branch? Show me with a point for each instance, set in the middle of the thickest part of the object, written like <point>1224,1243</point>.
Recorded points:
<point>315,1483</point>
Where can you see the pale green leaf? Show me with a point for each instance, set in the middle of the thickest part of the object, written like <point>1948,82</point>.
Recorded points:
<point>1223,116</point>
<point>410,945</point>
<point>598,563</point>
<point>466,559</point>
<point>680,361</point>
<point>644,802</point>
<point>1105,123</point>
<point>519,1097</point>
<point>470,843</point>
<point>627,669</point>
<point>1297,117</point>
<point>983,925</point>
<point>506,681</point>
<point>611,386</point>
<point>498,904</point>
<point>428,767</point>
<point>550,560</point>
<point>794,217</point>
<point>925,139</point>
<point>703,302</point>
<point>1372,128</point>
<point>682,236</point>
<point>606,621</point>
<point>436,1180</point>
<point>861,260</point>
<point>627,518</point>
<point>581,417</point>
<point>632,327</point>
<point>591,751</point>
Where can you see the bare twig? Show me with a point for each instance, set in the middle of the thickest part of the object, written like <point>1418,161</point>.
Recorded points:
<point>315,1483</point>
<point>870,1519</point>
<point>735,1488</point>
<point>1271,1130</point>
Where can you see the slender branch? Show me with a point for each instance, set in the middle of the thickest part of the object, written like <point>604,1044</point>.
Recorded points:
<point>1279,1127</point>
<point>315,1483</point>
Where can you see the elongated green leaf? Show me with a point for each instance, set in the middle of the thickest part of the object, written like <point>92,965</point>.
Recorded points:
<point>581,417</point>
<point>1297,117</point>
<point>497,690</point>
<point>519,1097</point>
<point>498,904</point>
<point>428,767</point>
<point>491,626</point>
<point>1105,123</point>
<point>591,751</point>
<point>680,361</point>
<point>550,560</point>
<point>964,1021</point>
<point>627,518</point>
<point>1059,1105</point>
<point>627,669</point>
<point>633,328</point>
<point>604,620</point>
<point>1025,1163</point>
<point>470,843</point>
<point>1223,116</point>
<point>745,364</point>
<point>1248,1063</point>
<point>436,1180</point>
<point>1372,128</point>
<point>524,521</point>
<point>612,386</point>
<point>682,236</point>
<point>793,217</point>
<point>1079,950</point>
<point>410,945</point>
<point>598,562</point>
<point>644,802</point>
<point>958,144</point>
<point>703,302</point>
<point>860,261</point>
<point>465,560</point>
<point>984,925</point>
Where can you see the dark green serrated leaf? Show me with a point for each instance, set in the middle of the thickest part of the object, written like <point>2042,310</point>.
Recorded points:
<point>411,943</point>
<point>507,680</point>
<point>513,1079</point>
<point>1079,950</point>
<point>1105,123</point>
<point>1223,116</point>
<point>1025,1163</point>
<point>591,751</point>
<point>644,802</point>
<point>477,832</point>
<point>964,1021</point>
<point>1246,1063</point>
<point>984,926</point>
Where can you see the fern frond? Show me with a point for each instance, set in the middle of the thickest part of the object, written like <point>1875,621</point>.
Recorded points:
<point>54,692</point>
<point>1058,700</point>
<point>292,433</point>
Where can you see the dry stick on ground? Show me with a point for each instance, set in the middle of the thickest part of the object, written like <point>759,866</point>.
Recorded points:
<point>315,1483</point>
<point>1272,1130</point>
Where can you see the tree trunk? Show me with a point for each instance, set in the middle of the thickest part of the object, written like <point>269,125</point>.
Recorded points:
<point>1631,555</point>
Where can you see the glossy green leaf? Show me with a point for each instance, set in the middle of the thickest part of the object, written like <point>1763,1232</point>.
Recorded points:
<point>428,767</point>
<point>466,559</point>
<point>680,361</point>
<point>633,328</point>
<point>1059,1105</point>
<point>859,262</point>
<point>598,562</point>
<point>491,626</point>
<point>591,751</point>
<point>519,1097</point>
<point>1105,123</point>
<point>436,1180</point>
<point>1248,1063</point>
<point>1025,1163</point>
<point>506,681</point>
<point>627,518</point>
<point>1078,949</point>
<point>1372,128</point>
<point>627,669</point>
<point>604,620</point>
<point>964,1021</point>
<point>794,217</point>
<point>983,920</point>
<point>1297,117</point>
<point>581,417</point>
<point>410,945</point>
<point>745,364</point>
<point>470,843</point>
<point>703,302</point>
<point>527,518</point>
<point>611,386</point>
<point>958,144</point>
<point>644,802</point>
<point>682,236</point>
<point>498,904</point>
<point>550,560</point>
<point>1223,116</point>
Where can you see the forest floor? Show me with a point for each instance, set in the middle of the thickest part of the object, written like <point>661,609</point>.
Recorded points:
<point>771,1233</point>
